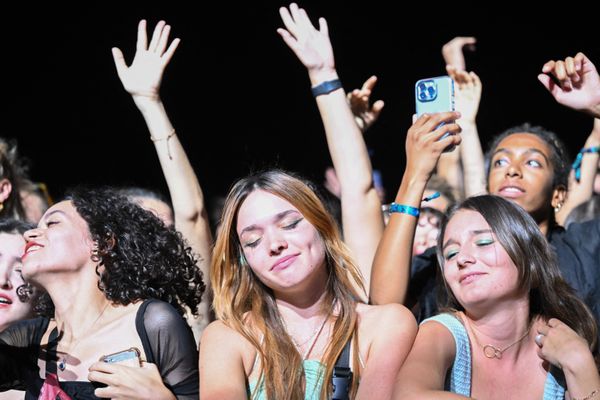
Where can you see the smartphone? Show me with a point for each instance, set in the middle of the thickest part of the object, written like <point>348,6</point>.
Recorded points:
<point>434,95</point>
<point>130,357</point>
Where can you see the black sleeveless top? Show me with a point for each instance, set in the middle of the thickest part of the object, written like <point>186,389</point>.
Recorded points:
<point>167,340</point>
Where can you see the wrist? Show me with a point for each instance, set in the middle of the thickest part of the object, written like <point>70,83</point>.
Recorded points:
<point>144,102</point>
<point>321,75</point>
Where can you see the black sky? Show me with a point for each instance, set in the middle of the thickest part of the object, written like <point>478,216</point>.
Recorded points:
<point>235,83</point>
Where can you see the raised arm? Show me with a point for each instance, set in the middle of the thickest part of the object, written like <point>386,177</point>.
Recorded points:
<point>468,95</point>
<point>142,80</point>
<point>574,82</point>
<point>453,51</point>
<point>391,266</point>
<point>361,208</point>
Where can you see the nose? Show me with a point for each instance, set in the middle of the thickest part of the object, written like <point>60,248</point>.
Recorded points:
<point>277,243</point>
<point>513,171</point>
<point>464,258</point>
<point>5,272</point>
<point>31,234</point>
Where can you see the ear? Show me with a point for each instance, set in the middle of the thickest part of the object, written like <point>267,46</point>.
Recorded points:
<point>559,196</point>
<point>5,189</point>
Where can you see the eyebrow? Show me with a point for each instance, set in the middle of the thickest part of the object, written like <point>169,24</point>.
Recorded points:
<point>51,213</point>
<point>471,233</point>
<point>277,217</point>
<point>529,150</point>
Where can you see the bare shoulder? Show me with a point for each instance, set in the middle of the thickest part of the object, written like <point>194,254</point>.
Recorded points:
<point>225,342</point>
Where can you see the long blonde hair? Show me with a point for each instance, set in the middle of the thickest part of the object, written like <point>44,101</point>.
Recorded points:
<point>238,291</point>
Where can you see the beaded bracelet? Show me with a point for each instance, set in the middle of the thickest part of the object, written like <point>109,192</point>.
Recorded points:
<point>167,138</point>
<point>577,164</point>
<point>326,87</point>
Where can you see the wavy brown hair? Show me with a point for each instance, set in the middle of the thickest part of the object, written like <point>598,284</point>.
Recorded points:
<point>240,297</point>
<point>539,276</point>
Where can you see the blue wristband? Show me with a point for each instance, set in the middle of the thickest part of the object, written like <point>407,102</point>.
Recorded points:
<point>326,87</point>
<point>401,208</point>
<point>577,164</point>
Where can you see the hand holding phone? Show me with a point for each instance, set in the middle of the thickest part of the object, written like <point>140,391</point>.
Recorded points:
<point>434,95</point>
<point>129,357</point>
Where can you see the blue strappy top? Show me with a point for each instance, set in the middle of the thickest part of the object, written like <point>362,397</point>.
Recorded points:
<point>313,374</point>
<point>459,379</point>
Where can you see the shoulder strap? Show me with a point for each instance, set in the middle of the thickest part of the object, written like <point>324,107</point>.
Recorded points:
<point>51,355</point>
<point>342,375</point>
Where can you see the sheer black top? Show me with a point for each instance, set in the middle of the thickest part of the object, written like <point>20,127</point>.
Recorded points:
<point>167,340</point>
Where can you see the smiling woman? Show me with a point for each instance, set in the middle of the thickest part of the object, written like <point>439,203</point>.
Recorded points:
<point>286,293</point>
<point>117,278</point>
<point>508,313</point>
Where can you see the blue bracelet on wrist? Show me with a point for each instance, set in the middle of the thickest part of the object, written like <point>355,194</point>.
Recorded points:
<point>577,164</point>
<point>326,87</point>
<point>404,209</point>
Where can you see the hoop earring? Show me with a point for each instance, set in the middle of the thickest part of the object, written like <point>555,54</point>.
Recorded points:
<point>24,292</point>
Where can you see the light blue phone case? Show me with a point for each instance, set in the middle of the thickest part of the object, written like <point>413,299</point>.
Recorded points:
<point>434,95</point>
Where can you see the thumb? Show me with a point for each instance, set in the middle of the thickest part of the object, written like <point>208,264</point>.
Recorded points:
<point>546,81</point>
<point>119,61</point>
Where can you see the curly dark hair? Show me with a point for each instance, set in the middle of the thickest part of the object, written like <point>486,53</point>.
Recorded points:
<point>142,258</point>
<point>14,168</point>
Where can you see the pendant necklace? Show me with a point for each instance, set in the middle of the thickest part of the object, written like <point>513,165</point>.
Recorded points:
<point>62,364</point>
<point>491,351</point>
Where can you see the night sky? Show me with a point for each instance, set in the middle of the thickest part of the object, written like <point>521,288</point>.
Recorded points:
<point>235,83</point>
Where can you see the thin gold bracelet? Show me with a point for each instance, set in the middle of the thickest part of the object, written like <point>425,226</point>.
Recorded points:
<point>169,136</point>
<point>589,396</point>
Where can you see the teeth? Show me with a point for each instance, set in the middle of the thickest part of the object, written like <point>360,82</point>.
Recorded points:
<point>33,248</point>
<point>5,301</point>
<point>511,189</point>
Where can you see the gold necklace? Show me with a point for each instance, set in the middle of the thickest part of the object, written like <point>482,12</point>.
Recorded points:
<point>491,351</point>
<point>314,336</point>
<point>62,364</point>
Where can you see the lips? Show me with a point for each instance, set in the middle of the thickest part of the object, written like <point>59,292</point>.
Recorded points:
<point>469,277</point>
<point>284,262</point>
<point>30,247</point>
<point>511,191</point>
<point>5,300</point>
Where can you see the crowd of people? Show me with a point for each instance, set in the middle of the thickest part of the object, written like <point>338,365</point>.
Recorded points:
<point>481,279</point>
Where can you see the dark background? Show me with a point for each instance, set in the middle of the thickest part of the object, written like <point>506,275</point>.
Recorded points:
<point>234,83</point>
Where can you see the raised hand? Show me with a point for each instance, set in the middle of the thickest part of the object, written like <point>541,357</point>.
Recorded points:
<point>365,114</point>
<point>143,77</point>
<point>311,46</point>
<point>577,83</point>
<point>453,51</point>
<point>467,89</point>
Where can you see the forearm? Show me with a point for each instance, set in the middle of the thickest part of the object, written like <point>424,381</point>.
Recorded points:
<point>449,169</point>
<point>472,160</point>
<point>580,192</point>
<point>362,220</point>
<point>581,375</point>
<point>391,267</point>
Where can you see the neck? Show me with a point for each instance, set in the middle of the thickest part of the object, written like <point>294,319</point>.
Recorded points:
<point>501,327</point>
<point>305,300</point>
<point>77,301</point>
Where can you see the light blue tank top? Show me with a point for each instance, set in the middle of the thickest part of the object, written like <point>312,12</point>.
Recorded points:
<point>313,374</point>
<point>459,379</point>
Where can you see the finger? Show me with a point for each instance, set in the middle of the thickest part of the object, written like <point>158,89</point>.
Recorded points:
<point>170,51</point>
<point>377,107</point>
<point>106,392</point>
<point>119,61</point>
<point>295,12</point>
<point>475,78</point>
<point>543,329</point>
<point>323,27</point>
<point>370,83</point>
<point>554,323</point>
<point>570,65</point>
<point>465,40</point>
<point>549,66</point>
<point>107,379</point>
<point>560,72</point>
<point>438,118</point>
<point>579,61</point>
<point>448,128</point>
<point>104,367</point>
<point>305,20</point>
<point>288,22</point>
<point>547,82</point>
<point>142,38</point>
<point>162,42</point>
<point>156,36</point>
<point>288,38</point>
